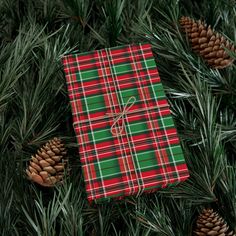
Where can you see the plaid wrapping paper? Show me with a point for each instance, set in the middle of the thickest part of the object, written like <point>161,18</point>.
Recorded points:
<point>147,154</point>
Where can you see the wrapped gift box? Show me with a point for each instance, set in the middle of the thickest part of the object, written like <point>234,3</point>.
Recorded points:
<point>127,140</point>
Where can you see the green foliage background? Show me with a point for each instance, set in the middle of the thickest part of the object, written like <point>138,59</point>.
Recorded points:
<point>34,107</point>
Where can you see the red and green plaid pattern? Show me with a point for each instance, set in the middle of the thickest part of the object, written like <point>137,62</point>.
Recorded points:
<point>147,155</point>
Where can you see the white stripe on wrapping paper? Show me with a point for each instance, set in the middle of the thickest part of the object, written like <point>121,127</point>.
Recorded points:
<point>143,152</point>
<point>157,183</point>
<point>157,143</point>
<point>94,141</point>
<point>103,57</point>
<point>88,87</point>
<point>150,177</point>
<point>133,56</point>
<point>92,63</point>
<point>129,112</point>
<point>125,127</point>
<point>161,117</point>
<point>104,72</point>
<point>173,139</point>
<point>124,143</point>
<point>111,102</point>
<point>130,133</point>
<point>103,118</point>
<point>119,138</point>
<point>142,169</point>
<point>112,93</point>
<point>75,79</point>
<point>137,145</point>
<point>93,77</point>
<point>98,96</point>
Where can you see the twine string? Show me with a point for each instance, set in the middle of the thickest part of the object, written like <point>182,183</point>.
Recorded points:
<point>121,116</point>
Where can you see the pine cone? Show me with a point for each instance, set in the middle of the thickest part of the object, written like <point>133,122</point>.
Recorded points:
<point>210,223</point>
<point>209,44</point>
<point>47,166</point>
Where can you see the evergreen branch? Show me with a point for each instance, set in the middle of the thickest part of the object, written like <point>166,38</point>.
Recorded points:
<point>79,10</point>
<point>43,222</point>
<point>227,201</point>
<point>155,219</point>
<point>72,222</point>
<point>7,220</point>
<point>113,16</point>
<point>9,215</point>
<point>48,83</point>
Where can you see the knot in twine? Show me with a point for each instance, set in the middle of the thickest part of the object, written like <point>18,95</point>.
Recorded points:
<point>121,116</point>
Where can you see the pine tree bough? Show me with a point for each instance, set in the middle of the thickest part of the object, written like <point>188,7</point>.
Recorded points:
<point>207,43</point>
<point>48,165</point>
<point>209,223</point>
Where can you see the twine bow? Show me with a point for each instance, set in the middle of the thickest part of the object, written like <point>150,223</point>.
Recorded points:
<point>121,116</point>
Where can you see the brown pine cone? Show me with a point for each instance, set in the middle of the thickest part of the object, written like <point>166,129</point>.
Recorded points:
<point>209,223</point>
<point>209,44</point>
<point>48,165</point>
